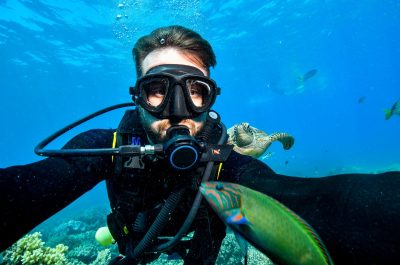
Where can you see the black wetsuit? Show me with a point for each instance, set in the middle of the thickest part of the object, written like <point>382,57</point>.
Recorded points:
<point>356,215</point>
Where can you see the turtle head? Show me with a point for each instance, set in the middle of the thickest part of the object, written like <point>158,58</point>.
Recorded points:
<point>243,134</point>
<point>245,126</point>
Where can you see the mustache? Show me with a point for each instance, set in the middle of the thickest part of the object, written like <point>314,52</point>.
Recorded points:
<point>165,124</point>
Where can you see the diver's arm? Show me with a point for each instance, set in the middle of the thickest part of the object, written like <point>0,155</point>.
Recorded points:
<point>356,215</point>
<point>30,194</point>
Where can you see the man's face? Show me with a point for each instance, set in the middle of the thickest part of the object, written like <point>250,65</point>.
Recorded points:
<point>156,128</point>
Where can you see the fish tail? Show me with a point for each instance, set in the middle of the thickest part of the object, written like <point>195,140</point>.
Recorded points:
<point>388,114</point>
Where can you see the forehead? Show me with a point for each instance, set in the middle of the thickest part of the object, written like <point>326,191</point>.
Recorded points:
<point>169,56</point>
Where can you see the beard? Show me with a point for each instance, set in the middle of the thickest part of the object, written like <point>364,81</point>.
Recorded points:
<point>160,131</point>
<point>156,129</point>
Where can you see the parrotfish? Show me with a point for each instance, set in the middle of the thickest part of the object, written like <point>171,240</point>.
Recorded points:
<point>395,110</point>
<point>267,224</point>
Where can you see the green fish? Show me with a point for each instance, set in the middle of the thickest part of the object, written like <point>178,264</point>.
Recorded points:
<point>267,224</point>
<point>395,110</point>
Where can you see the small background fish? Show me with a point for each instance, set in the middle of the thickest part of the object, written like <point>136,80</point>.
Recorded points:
<point>308,75</point>
<point>361,99</point>
<point>395,110</point>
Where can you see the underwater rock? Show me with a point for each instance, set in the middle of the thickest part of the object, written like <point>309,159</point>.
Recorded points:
<point>231,254</point>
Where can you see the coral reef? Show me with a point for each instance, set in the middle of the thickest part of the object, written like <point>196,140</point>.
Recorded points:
<point>230,254</point>
<point>71,227</point>
<point>31,250</point>
<point>77,231</point>
<point>103,257</point>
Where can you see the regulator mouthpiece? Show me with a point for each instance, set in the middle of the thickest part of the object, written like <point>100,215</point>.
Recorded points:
<point>182,150</point>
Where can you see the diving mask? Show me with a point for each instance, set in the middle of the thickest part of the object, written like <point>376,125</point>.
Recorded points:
<point>175,91</point>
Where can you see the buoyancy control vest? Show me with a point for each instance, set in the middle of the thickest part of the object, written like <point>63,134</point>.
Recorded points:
<point>141,185</point>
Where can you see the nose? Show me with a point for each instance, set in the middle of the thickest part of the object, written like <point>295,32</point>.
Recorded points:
<point>178,109</point>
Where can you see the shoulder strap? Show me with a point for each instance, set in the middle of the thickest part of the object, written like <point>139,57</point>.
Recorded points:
<point>130,130</point>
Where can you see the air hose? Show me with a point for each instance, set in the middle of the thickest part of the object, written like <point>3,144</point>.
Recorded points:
<point>156,227</point>
<point>196,204</point>
<point>162,217</point>
<point>189,219</point>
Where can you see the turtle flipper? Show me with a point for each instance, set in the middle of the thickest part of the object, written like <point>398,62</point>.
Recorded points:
<point>286,139</point>
<point>240,135</point>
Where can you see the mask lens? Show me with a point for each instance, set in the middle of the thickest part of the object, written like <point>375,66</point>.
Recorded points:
<point>154,91</point>
<point>199,92</point>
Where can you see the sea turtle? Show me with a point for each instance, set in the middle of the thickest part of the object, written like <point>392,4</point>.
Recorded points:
<point>251,141</point>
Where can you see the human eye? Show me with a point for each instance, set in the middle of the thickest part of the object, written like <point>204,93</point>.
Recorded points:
<point>156,89</point>
<point>195,90</point>
<point>199,91</point>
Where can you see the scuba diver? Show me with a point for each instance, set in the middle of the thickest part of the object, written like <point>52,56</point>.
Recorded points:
<point>161,152</point>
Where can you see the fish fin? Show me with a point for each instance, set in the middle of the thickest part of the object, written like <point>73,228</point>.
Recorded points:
<point>388,114</point>
<point>243,244</point>
<point>236,217</point>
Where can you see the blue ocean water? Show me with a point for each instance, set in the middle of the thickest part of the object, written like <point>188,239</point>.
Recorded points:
<point>61,60</point>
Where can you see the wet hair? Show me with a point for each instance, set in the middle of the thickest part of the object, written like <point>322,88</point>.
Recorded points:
<point>183,39</point>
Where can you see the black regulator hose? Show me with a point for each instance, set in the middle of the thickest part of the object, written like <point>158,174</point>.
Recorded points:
<point>196,203</point>
<point>78,152</point>
<point>157,226</point>
<point>189,219</point>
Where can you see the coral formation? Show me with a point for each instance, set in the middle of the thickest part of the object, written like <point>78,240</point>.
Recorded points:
<point>71,227</point>
<point>31,250</point>
<point>78,233</point>
<point>103,257</point>
<point>230,254</point>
